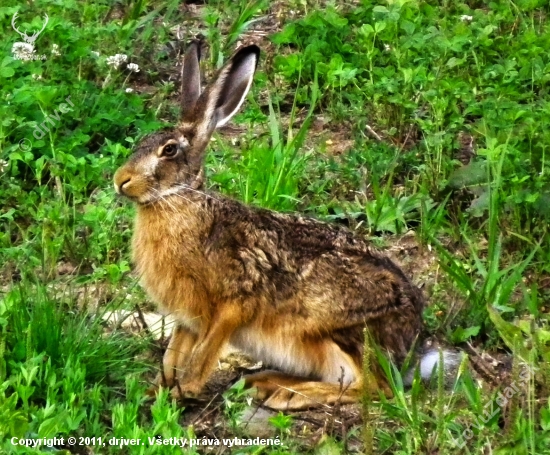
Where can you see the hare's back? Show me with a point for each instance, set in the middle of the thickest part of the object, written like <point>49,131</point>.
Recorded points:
<point>312,267</point>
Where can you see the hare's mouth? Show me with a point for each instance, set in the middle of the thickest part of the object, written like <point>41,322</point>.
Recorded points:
<point>136,199</point>
<point>153,195</point>
<point>140,199</point>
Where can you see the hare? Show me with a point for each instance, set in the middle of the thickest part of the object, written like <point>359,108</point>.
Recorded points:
<point>291,291</point>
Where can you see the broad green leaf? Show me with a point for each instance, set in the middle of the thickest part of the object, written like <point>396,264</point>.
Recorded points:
<point>510,334</point>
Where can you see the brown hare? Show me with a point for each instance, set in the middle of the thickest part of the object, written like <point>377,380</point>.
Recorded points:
<point>291,291</point>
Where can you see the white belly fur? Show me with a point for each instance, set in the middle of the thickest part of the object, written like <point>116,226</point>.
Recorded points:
<point>323,361</point>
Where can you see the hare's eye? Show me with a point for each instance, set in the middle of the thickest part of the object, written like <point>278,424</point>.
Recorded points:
<point>170,150</point>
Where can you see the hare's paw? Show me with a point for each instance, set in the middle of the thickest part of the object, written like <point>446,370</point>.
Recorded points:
<point>159,381</point>
<point>187,390</point>
<point>152,391</point>
<point>162,380</point>
<point>286,400</point>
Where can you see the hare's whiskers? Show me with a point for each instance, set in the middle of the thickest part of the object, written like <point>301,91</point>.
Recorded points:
<point>186,187</point>
<point>163,197</point>
<point>160,197</point>
<point>189,200</point>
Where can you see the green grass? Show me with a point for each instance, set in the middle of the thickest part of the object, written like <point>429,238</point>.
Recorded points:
<point>447,106</point>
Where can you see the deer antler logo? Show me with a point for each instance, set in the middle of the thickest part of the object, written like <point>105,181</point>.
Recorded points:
<point>29,39</point>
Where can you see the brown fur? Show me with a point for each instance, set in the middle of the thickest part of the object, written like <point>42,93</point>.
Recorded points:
<point>291,291</point>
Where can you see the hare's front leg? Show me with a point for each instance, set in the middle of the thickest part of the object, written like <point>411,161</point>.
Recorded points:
<point>179,349</point>
<point>213,336</point>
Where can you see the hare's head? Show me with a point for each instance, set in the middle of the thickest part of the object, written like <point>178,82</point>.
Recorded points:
<point>171,160</point>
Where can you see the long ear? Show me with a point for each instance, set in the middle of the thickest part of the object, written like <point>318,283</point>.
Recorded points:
<point>190,80</point>
<point>227,93</point>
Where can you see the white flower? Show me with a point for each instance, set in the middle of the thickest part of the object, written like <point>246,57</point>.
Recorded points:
<point>116,60</point>
<point>3,165</point>
<point>133,67</point>
<point>37,77</point>
<point>55,50</point>
<point>22,51</point>
<point>387,47</point>
<point>129,90</point>
<point>466,18</point>
<point>95,53</point>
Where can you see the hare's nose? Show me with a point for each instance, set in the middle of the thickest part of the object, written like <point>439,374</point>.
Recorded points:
<point>123,184</point>
<point>119,187</point>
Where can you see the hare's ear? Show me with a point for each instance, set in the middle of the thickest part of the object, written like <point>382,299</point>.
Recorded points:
<point>229,90</point>
<point>190,81</point>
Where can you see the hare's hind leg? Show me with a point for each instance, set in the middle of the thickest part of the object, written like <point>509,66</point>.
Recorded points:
<point>338,379</point>
<point>284,392</point>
